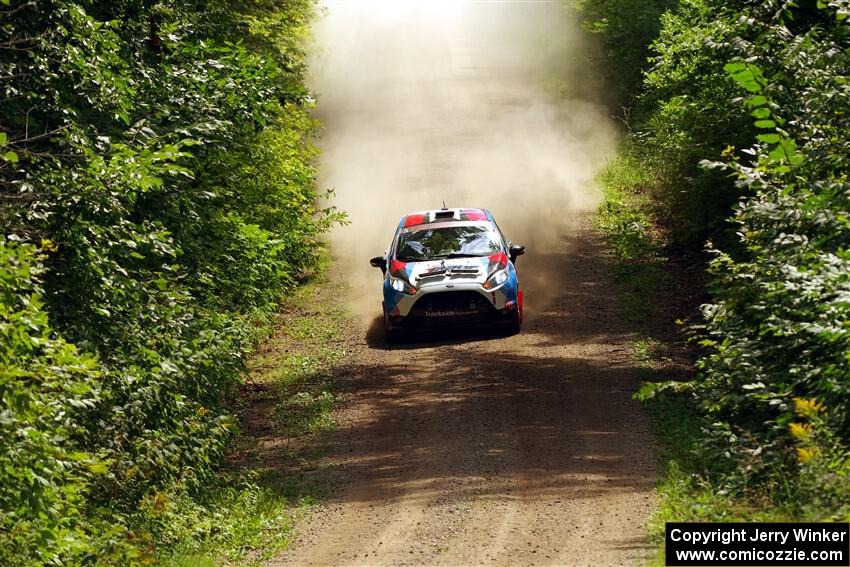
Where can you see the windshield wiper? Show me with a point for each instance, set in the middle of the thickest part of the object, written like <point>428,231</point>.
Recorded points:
<point>451,256</point>
<point>463,255</point>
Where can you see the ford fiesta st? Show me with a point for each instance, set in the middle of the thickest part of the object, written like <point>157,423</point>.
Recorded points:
<point>450,267</point>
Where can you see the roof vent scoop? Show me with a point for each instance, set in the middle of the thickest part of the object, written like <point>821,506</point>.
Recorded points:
<point>444,214</point>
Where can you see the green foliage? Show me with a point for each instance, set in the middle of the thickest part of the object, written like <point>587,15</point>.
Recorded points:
<point>162,151</point>
<point>234,519</point>
<point>626,29</point>
<point>742,129</point>
<point>824,490</point>
<point>779,327</point>
<point>689,114</point>
<point>683,108</point>
<point>46,389</point>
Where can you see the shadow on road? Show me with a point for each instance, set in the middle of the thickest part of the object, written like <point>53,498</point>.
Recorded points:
<point>427,338</point>
<point>464,415</point>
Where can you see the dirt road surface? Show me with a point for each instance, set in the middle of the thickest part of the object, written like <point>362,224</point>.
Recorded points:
<point>466,449</point>
<point>472,450</point>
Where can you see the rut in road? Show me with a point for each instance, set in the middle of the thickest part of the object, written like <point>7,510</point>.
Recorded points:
<point>477,450</point>
<point>526,450</point>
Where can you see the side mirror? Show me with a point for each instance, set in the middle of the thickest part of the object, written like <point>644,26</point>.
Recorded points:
<point>379,262</point>
<point>515,251</point>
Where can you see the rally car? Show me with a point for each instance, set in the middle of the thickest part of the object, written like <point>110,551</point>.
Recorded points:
<point>450,267</point>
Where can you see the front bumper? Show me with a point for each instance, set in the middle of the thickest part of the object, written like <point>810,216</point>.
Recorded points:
<point>449,304</point>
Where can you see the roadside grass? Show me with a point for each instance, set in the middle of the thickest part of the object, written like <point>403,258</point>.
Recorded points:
<point>300,361</point>
<point>636,247</point>
<point>240,522</point>
<point>289,394</point>
<point>642,283</point>
<point>636,250</point>
<point>684,494</point>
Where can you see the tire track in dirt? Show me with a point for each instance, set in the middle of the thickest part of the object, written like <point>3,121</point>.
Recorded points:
<point>470,450</point>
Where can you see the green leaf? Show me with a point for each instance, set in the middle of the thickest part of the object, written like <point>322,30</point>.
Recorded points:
<point>748,76</point>
<point>745,76</point>
<point>98,468</point>
<point>765,124</point>
<point>768,138</point>
<point>777,154</point>
<point>11,156</point>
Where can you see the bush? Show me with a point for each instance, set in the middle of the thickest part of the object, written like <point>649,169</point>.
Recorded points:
<point>46,389</point>
<point>163,152</point>
<point>779,326</point>
<point>626,29</point>
<point>742,126</point>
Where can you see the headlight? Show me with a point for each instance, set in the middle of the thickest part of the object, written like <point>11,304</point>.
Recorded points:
<point>496,279</point>
<point>402,286</point>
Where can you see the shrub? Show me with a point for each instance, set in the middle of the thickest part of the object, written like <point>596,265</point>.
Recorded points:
<point>778,327</point>
<point>163,150</point>
<point>46,389</point>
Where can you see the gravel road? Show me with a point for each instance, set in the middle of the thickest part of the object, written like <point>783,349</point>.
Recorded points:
<point>465,449</point>
<point>472,450</point>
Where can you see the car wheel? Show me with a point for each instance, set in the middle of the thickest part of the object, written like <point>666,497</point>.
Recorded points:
<point>392,335</point>
<point>515,324</point>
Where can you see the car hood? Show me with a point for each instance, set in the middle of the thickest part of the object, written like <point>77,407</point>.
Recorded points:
<point>435,272</point>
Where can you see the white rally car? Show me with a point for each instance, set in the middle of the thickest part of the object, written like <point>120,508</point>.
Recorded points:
<point>450,267</point>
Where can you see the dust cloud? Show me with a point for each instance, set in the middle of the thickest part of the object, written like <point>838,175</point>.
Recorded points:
<point>478,104</point>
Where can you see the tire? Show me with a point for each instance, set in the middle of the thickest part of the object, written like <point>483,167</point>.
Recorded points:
<point>392,335</point>
<point>515,324</point>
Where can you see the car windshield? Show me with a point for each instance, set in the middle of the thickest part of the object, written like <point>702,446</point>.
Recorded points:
<point>447,242</point>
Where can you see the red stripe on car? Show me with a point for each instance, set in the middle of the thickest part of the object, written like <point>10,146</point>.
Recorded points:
<point>413,220</point>
<point>501,258</point>
<point>474,215</point>
<point>398,268</point>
